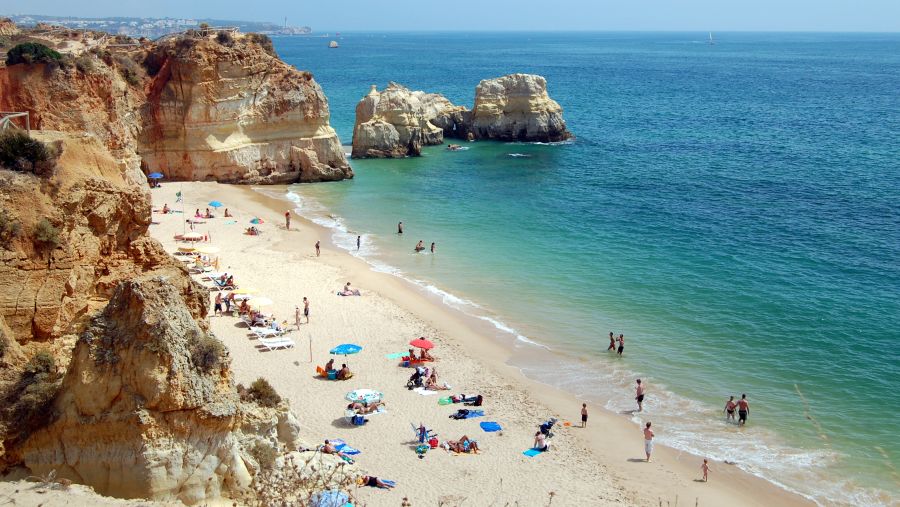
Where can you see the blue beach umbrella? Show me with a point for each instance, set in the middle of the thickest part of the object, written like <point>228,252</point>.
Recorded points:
<point>215,204</point>
<point>155,176</point>
<point>345,349</point>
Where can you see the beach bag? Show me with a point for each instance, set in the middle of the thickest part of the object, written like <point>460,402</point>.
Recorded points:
<point>460,414</point>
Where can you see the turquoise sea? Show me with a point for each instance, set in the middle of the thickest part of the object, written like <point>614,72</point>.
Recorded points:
<point>733,209</point>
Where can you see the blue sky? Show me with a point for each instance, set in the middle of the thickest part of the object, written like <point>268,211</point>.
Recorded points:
<point>324,15</point>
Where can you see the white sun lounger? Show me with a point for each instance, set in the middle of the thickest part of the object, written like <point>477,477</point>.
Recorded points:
<point>276,343</point>
<point>265,332</point>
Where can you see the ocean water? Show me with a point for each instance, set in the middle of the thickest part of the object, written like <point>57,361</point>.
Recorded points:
<point>733,209</point>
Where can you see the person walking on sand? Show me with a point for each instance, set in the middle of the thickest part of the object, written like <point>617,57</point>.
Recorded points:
<point>432,247</point>
<point>318,248</point>
<point>639,395</point>
<point>729,409</point>
<point>358,241</point>
<point>400,228</point>
<point>648,440</point>
<point>621,344</point>
<point>306,309</point>
<point>612,342</point>
<point>287,220</point>
<point>705,468</point>
<point>584,415</point>
<point>743,410</point>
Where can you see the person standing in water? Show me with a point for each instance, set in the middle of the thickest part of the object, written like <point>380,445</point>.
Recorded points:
<point>729,409</point>
<point>639,395</point>
<point>318,250</point>
<point>419,246</point>
<point>743,410</point>
<point>287,220</point>
<point>648,440</point>
<point>358,241</point>
<point>400,228</point>
<point>621,344</point>
<point>432,247</point>
<point>612,342</point>
<point>584,415</point>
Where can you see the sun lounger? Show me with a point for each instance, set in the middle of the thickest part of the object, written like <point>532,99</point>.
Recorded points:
<point>265,332</point>
<point>276,343</point>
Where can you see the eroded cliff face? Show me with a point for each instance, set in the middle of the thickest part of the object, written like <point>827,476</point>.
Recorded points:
<point>397,122</point>
<point>192,107</point>
<point>145,411</point>
<point>234,113</point>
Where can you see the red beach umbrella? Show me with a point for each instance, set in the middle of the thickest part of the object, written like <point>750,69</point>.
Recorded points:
<point>422,343</point>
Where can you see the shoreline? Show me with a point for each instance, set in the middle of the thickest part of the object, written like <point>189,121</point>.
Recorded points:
<point>615,448</point>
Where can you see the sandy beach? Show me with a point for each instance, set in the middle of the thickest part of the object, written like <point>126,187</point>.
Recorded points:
<point>600,465</point>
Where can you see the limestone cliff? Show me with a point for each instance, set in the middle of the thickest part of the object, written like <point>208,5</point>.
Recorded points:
<point>200,107</point>
<point>7,27</point>
<point>235,113</point>
<point>397,122</point>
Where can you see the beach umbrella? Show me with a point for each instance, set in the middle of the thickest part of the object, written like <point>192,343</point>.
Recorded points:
<point>258,302</point>
<point>345,349</point>
<point>364,396</point>
<point>187,249</point>
<point>155,176</point>
<point>256,221</point>
<point>216,204</point>
<point>422,343</point>
<point>192,236</point>
<point>208,249</point>
<point>245,291</point>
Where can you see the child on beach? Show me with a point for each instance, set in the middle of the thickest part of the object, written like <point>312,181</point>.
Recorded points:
<point>584,415</point>
<point>705,468</point>
<point>648,440</point>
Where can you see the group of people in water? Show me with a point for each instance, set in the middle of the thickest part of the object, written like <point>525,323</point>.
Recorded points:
<point>616,345</point>
<point>420,246</point>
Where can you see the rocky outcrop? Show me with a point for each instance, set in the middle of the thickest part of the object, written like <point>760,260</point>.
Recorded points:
<point>235,113</point>
<point>397,122</point>
<point>192,107</point>
<point>148,408</point>
<point>8,27</point>
<point>517,108</point>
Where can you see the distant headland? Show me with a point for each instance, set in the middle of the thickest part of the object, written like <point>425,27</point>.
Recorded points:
<point>155,27</point>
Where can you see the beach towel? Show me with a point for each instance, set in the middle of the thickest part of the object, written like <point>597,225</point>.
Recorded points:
<point>342,446</point>
<point>395,355</point>
<point>330,498</point>
<point>467,414</point>
<point>490,426</point>
<point>423,391</point>
<point>445,401</point>
<point>532,452</point>
<point>230,222</point>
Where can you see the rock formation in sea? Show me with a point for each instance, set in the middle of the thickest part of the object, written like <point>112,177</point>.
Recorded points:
<point>397,122</point>
<point>109,375</point>
<point>220,107</point>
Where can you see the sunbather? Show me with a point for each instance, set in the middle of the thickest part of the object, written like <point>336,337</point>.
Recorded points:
<point>464,444</point>
<point>540,442</point>
<point>329,448</point>
<point>344,373</point>
<point>329,366</point>
<point>424,355</point>
<point>375,482</point>
<point>365,408</point>
<point>227,214</point>
<point>165,208</point>
<point>244,309</point>
<point>432,383</point>
<point>348,291</point>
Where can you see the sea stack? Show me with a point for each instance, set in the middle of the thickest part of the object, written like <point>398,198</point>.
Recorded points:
<point>397,122</point>
<point>517,108</point>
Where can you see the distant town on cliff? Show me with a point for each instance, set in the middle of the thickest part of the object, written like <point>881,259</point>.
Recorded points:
<point>155,27</point>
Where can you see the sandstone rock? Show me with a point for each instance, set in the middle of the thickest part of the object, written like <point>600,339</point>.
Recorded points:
<point>7,27</point>
<point>217,112</point>
<point>397,122</point>
<point>517,108</point>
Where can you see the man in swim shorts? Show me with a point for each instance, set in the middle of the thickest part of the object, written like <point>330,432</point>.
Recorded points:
<point>639,395</point>
<point>621,344</point>
<point>743,410</point>
<point>584,415</point>
<point>306,309</point>
<point>648,441</point>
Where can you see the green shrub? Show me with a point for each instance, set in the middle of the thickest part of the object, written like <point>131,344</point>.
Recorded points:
<point>29,402</point>
<point>262,393</point>
<point>10,228</point>
<point>45,235</point>
<point>21,152</point>
<point>31,52</point>
<point>206,352</point>
<point>264,41</point>
<point>264,454</point>
<point>85,64</point>
<point>40,364</point>
<point>129,69</point>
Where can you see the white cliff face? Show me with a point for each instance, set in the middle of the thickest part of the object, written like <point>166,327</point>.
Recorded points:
<point>237,114</point>
<point>397,122</point>
<point>517,108</point>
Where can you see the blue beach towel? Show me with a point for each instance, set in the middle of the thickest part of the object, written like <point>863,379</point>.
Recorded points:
<point>389,483</point>
<point>490,426</point>
<point>330,498</point>
<point>342,446</point>
<point>532,452</point>
<point>474,413</point>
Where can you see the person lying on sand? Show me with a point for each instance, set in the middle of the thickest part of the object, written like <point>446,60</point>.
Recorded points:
<point>464,444</point>
<point>375,482</point>
<point>329,448</point>
<point>365,408</point>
